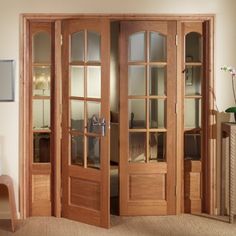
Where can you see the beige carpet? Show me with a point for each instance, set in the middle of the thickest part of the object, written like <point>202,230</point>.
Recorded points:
<point>124,226</point>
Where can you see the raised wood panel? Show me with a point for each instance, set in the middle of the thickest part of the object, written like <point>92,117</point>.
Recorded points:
<point>41,186</point>
<point>41,208</point>
<point>147,187</point>
<point>193,185</point>
<point>85,193</point>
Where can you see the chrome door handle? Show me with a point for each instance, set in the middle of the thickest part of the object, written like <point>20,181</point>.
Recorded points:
<point>100,124</point>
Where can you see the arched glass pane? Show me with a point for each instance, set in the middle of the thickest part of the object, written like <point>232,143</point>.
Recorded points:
<point>77,46</point>
<point>42,48</point>
<point>193,47</point>
<point>157,47</point>
<point>94,46</point>
<point>137,47</point>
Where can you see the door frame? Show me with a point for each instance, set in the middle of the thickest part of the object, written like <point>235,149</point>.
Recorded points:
<point>209,172</point>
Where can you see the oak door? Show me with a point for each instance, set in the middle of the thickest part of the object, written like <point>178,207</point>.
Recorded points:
<point>147,117</point>
<point>85,138</point>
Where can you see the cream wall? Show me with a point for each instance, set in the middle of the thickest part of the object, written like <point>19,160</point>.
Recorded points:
<point>10,10</point>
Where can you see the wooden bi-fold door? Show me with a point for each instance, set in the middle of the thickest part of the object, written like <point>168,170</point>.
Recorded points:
<point>85,121</point>
<point>147,117</point>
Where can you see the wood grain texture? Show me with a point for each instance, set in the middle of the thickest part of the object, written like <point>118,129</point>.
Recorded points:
<point>134,180</point>
<point>77,205</point>
<point>85,193</point>
<point>147,187</point>
<point>192,187</point>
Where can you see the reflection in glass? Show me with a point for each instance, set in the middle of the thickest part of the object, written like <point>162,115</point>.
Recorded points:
<point>42,48</point>
<point>93,150</point>
<point>41,80</point>
<point>192,145</point>
<point>157,113</point>
<point>157,47</point>
<point>41,114</point>
<point>137,114</point>
<point>157,80</point>
<point>137,47</point>
<point>77,81</point>
<point>193,47</point>
<point>94,46</point>
<point>192,113</point>
<point>137,81</point>
<point>137,147</point>
<point>157,147</point>
<point>94,112</point>
<point>77,115</point>
<point>77,150</point>
<point>94,82</point>
<point>193,77</point>
<point>77,46</point>
<point>41,147</point>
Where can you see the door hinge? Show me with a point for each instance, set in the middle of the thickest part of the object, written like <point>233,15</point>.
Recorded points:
<point>61,39</point>
<point>176,40</point>
<point>176,108</point>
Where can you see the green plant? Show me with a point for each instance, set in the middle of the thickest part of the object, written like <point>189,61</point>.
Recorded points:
<point>232,72</point>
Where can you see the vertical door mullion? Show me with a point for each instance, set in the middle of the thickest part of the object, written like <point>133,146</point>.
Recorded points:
<point>85,97</point>
<point>147,96</point>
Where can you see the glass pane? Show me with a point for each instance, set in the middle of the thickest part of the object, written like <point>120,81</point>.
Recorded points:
<point>41,147</point>
<point>41,81</point>
<point>94,46</point>
<point>77,81</point>
<point>137,114</point>
<point>93,150</point>
<point>137,147</point>
<point>137,77</point>
<point>192,113</point>
<point>94,82</point>
<point>41,114</point>
<point>192,145</point>
<point>157,47</point>
<point>94,111</point>
<point>77,150</point>
<point>77,46</point>
<point>157,147</point>
<point>77,115</point>
<point>42,48</point>
<point>137,47</point>
<point>193,47</point>
<point>157,80</point>
<point>157,113</point>
<point>193,77</point>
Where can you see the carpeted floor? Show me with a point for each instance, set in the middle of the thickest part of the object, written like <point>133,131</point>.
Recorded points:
<point>182,225</point>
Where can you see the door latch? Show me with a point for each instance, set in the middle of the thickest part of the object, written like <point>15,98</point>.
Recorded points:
<point>98,125</point>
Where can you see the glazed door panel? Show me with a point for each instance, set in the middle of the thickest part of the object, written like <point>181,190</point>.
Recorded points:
<point>147,118</point>
<point>85,142</point>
